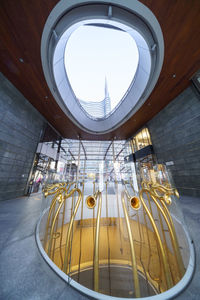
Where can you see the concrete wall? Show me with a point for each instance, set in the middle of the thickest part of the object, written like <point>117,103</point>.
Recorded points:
<point>175,133</point>
<point>20,129</point>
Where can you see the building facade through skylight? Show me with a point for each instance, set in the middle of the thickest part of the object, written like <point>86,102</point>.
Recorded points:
<point>101,61</point>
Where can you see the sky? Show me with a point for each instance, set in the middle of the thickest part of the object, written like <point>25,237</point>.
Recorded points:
<point>93,53</point>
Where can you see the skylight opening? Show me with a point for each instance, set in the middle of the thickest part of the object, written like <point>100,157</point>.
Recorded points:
<point>100,63</point>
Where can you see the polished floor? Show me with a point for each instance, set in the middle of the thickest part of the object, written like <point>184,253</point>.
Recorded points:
<point>25,275</point>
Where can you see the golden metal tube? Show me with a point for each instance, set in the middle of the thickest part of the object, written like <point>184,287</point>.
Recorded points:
<point>56,235</point>
<point>70,227</point>
<point>165,242</point>
<point>140,255</point>
<point>108,238</point>
<point>96,249</point>
<point>55,187</point>
<point>164,259</point>
<point>61,233</point>
<point>116,186</point>
<point>165,195</point>
<point>80,253</point>
<point>60,201</point>
<point>52,206</point>
<point>158,278</point>
<point>52,227</point>
<point>93,211</point>
<point>176,193</point>
<point>174,244</point>
<point>166,199</point>
<point>179,257</point>
<point>165,190</point>
<point>157,246</point>
<point>145,184</point>
<point>133,258</point>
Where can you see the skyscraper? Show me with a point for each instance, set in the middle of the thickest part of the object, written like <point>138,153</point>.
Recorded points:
<point>98,109</point>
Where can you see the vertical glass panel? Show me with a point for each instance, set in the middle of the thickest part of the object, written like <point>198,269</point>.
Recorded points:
<point>114,226</point>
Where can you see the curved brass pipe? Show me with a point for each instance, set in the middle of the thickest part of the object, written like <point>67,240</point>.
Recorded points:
<point>80,253</point>
<point>165,243</point>
<point>53,203</point>
<point>96,248</point>
<point>163,255</point>
<point>55,187</point>
<point>179,257</point>
<point>70,226</point>
<point>52,226</point>
<point>61,201</point>
<point>140,255</point>
<point>145,184</point>
<point>47,192</point>
<point>108,237</point>
<point>173,240</point>
<point>166,199</point>
<point>165,195</point>
<point>133,257</point>
<point>166,191</point>
<point>61,233</point>
<point>62,189</point>
<point>176,193</point>
<point>157,278</point>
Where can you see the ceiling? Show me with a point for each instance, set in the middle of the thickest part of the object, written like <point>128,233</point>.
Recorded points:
<point>21,26</point>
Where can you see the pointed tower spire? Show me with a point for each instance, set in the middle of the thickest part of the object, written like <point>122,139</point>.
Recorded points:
<point>106,88</point>
<point>107,104</point>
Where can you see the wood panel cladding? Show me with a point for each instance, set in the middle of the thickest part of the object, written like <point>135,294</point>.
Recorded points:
<point>21,26</point>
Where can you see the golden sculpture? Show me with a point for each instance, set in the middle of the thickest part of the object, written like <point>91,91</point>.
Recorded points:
<point>143,238</point>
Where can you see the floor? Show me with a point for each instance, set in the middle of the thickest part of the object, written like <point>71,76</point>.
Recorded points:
<point>25,275</point>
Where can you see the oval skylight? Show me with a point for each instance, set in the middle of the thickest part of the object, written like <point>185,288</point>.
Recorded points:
<point>100,62</point>
<point>132,76</point>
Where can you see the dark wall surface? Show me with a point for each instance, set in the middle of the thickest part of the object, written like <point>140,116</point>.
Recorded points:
<point>175,134</point>
<point>20,129</point>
